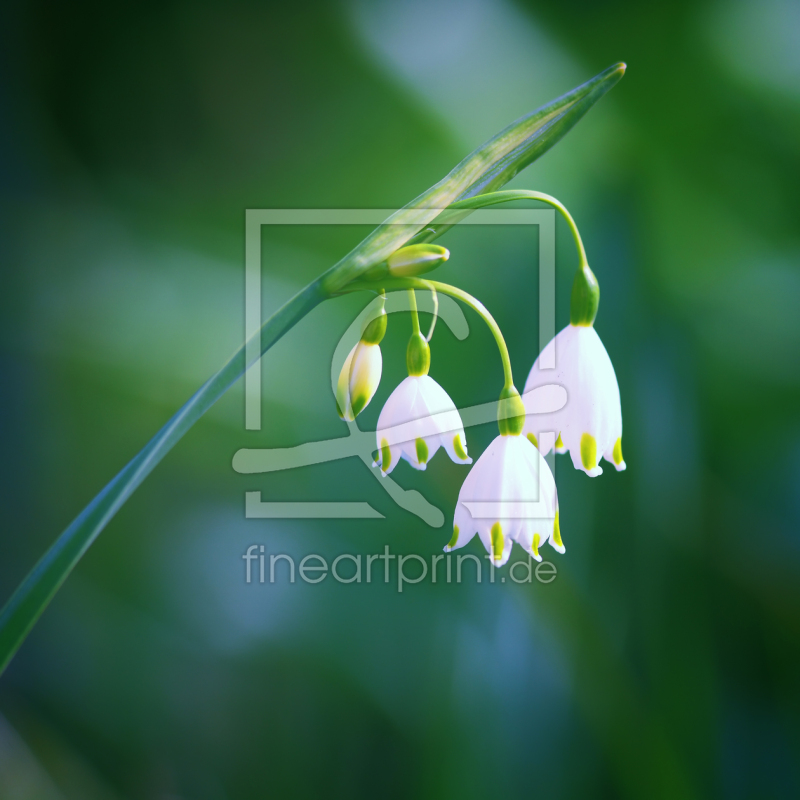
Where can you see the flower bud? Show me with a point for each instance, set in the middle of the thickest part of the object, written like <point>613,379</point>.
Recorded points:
<point>361,372</point>
<point>416,259</point>
<point>358,380</point>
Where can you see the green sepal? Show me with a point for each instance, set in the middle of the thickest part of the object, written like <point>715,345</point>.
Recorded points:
<point>418,355</point>
<point>510,412</point>
<point>585,297</point>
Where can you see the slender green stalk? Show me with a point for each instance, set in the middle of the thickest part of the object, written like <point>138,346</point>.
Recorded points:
<point>458,294</point>
<point>509,195</point>
<point>461,209</point>
<point>435,298</point>
<point>412,301</point>
<point>35,592</point>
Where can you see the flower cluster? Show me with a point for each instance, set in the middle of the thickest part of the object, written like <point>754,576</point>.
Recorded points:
<point>510,494</point>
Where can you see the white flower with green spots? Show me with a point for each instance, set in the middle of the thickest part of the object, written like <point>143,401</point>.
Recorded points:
<point>589,426</point>
<point>419,417</point>
<point>509,496</point>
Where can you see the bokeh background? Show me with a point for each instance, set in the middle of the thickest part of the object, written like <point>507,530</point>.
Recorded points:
<point>662,662</point>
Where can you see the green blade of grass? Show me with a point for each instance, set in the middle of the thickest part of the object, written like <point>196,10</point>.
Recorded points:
<point>484,170</point>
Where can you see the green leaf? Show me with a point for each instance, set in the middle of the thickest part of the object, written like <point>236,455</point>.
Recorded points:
<point>486,169</point>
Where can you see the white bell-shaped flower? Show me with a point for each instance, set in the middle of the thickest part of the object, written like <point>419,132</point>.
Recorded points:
<point>589,426</point>
<point>509,496</point>
<point>419,417</point>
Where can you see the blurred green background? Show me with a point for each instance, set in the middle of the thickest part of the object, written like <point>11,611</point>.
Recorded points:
<point>664,659</point>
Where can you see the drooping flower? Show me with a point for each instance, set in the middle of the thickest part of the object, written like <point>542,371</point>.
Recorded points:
<point>509,495</point>
<point>419,417</point>
<point>589,426</point>
<point>361,372</point>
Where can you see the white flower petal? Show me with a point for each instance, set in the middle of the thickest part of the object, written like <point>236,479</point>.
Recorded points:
<point>415,422</point>
<point>509,495</point>
<point>590,424</point>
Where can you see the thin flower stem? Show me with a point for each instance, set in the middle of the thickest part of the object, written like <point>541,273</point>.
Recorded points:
<point>483,312</point>
<point>509,195</point>
<point>458,294</point>
<point>435,298</point>
<point>412,301</point>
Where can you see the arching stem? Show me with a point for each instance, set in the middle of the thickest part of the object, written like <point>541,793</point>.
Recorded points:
<point>435,298</point>
<point>412,301</point>
<point>458,294</point>
<point>449,217</point>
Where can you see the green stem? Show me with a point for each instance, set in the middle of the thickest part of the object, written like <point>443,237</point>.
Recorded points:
<point>412,301</point>
<point>35,592</point>
<point>458,294</point>
<point>435,298</point>
<point>450,217</point>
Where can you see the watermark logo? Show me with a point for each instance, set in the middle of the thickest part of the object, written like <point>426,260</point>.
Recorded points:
<point>359,443</point>
<point>262,568</point>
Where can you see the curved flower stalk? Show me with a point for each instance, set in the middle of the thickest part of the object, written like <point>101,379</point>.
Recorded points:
<point>484,171</point>
<point>510,493</point>
<point>419,417</point>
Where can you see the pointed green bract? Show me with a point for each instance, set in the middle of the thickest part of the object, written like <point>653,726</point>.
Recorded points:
<point>523,142</point>
<point>486,169</point>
